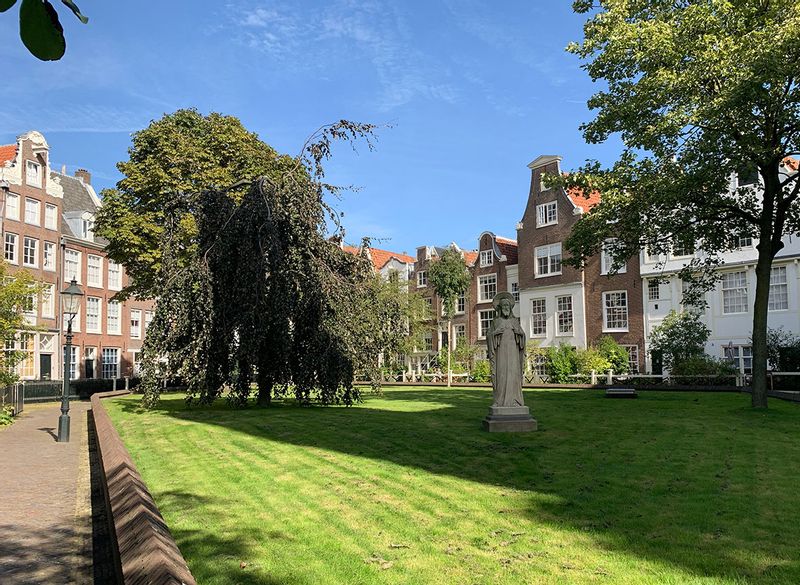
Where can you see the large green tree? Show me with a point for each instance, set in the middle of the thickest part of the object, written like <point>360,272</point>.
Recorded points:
<point>700,92</point>
<point>449,278</point>
<point>232,240</point>
<point>17,291</point>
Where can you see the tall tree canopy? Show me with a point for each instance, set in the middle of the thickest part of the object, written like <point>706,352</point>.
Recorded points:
<point>700,92</point>
<point>449,278</point>
<point>232,240</point>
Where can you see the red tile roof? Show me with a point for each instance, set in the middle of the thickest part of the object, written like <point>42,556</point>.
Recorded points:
<point>508,248</point>
<point>381,257</point>
<point>470,258</point>
<point>7,152</point>
<point>586,203</point>
<point>791,163</point>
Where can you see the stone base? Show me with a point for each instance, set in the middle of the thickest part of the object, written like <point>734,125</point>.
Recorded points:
<point>509,419</point>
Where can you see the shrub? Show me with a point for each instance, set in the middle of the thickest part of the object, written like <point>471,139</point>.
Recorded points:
<point>616,355</point>
<point>481,372</point>
<point>85,387</point>
<point>680,336</point>
<point>5,416</point>
<point>561,363</point>
<point>704,370</point>
<point>783,350</point>
<point>591,359</point>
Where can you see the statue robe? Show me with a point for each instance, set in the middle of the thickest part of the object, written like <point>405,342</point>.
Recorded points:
<point>506,348</point>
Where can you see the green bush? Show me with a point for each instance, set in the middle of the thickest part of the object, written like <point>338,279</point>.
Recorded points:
<point>591,359</point>
<point>561,364</point>
<point>85,387</point>
<point>481,372</point>
<point>614,353</point>
<point>704,370</point>
<point>5,416</point>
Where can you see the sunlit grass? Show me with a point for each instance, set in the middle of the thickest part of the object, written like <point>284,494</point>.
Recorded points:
<point>407,488</point>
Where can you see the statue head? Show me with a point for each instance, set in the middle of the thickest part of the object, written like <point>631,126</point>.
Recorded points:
<point>503,304</point>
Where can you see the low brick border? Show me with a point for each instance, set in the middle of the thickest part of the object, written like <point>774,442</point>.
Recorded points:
<point>145,552</point>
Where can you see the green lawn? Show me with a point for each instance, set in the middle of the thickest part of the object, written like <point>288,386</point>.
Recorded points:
<point>407,488</point>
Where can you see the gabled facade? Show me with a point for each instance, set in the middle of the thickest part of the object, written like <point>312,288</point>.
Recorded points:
<point>494,271</point>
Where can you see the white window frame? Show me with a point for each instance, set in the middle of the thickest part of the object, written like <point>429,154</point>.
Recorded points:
<point>97,282</point>
<point>49,260</point>
<point>107,351</point>
<point>633,357</point>
<point>116,269</point>
<point>734,287</point>
<point>778,285</point>
<point>515,291</point>
<point>76,255</point>
<point>548,252</point>
<point>487,258</point>
<point>98,315</point>
<point>547,214</point>
<point>33,174</point>
<point>25,262</point>
<point>461,304</point>
<point>12,211</point>
<point>538,323</point>
<point>562,311</point>
<point>49,300</point>
<point>50,216</point>
<point>14,240</point>
<point>485,282</point>
<point>35,208</point>
<point>459,332</point>
<point>607,262</point>
<point>148,318</point>
<point>114,318</point>
<point>653,290</point>
<point>422,279</point>
<point>486,315</point>
<point>606,299</point>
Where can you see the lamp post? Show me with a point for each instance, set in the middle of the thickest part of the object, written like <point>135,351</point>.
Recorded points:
<point>70,303</point>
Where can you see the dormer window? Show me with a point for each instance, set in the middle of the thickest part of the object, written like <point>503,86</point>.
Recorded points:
<point>487,258</point>
<point>33,173</point>
<point>547,214</point>
<point>87,228</point>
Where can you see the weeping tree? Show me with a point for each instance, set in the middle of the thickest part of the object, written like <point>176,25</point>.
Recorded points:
<point>250,287</point>
<point>449,278</point>
<point>700,93</point>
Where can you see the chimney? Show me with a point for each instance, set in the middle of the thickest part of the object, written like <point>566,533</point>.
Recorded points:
<point>84,176</point>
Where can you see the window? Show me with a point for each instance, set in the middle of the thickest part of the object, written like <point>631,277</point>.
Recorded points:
<point>653,290</point>
<point>695,307</point>
<point>427,341</point>
<point>50,216</point>
<point>110,362</point>
<point>734,292</point>
<point>93,315</point>
<point>651,256</point>
<point>487,287</point>
<point>422,279</point>
<point>30,252</point>
<point>460,332</point>
<point>11,248</point>
<point>49,256</point>
<point>778,289</point>
<point>29,306</point>
<point>136,324</point>
<point>515,291</point>
<point>90,355</point>
<point>633,358</point>
<point>428,308</point>
<point>73,361</point>
<point>538,364</point>
<point>148,317</point>
<point>538,317</point>
<point>12,206</point>
<point>76,321</point>
<point>46,343</point>
<point>547,214</point>
<point>114,275</point>
<point>113,318</point>
<point>461,303</point>
<point>615,311</point>
<point>564,315</point>
<point>484,321</point>
<point>548,260</point>
<point>136,356</point>
<point>48,300</point>
<point>543,186</point>
<point>25,369</point>
<point>741,356</point>
<point>32,207</point>
<point>607,261</point>
<point>683,247</point>
<point>744,242</point>
<point>94,271</point>
<point>87,228</point>
<point>72,266</point>
<point>487,258</point>
<point>33,173</point>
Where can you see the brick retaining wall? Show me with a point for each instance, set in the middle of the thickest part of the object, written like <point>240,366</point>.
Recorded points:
<point>145,550</point>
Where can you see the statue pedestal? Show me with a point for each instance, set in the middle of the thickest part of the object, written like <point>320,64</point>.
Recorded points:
<point>509,419</point>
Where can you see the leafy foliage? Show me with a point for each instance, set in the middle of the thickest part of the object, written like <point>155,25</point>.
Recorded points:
<point>5,416</point>
<point>699,92</point>
<point>250,288</point>
<point>679,337</point>
<point>783,350</point>
<point>449,278</point>
<point>40,29</point>
<point>15,293</point>
<point>562,363</point>
<point>614,353</point>
<point>481,372</point>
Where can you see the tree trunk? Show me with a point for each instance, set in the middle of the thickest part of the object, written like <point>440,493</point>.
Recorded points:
<point>449,344</point>
<point>760,313</point>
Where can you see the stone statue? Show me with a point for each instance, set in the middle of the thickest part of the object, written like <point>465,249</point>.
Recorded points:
<point>505,347</point>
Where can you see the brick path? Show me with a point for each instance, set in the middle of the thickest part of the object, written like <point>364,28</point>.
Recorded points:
<point>45,507</point>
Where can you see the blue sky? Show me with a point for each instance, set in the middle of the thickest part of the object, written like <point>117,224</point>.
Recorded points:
<point>473,91</point>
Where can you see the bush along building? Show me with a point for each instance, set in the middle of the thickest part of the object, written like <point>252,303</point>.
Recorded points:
<point>47,220</point>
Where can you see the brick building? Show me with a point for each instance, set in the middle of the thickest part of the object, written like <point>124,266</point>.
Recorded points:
<point>46,221</point>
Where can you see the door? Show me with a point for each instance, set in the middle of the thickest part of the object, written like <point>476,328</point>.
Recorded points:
<point>658,362</point>
<point>90,354</point>
<point>45,366</point>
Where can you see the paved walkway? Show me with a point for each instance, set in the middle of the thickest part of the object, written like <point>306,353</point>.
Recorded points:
<point>45,507</point>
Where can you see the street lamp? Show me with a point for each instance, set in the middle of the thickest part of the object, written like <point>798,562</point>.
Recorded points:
<point>70,303</point>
